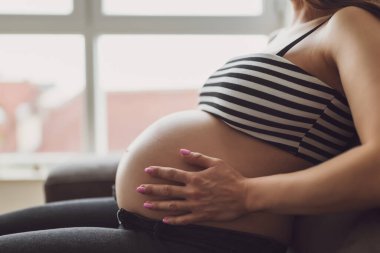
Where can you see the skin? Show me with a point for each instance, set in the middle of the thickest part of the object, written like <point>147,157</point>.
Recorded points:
<point>201,131</point>
<point>348,55</point>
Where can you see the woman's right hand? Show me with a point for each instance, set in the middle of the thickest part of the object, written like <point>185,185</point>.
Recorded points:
<point>216,193</point>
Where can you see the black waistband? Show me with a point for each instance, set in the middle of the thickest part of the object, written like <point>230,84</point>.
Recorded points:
<point>210,238</point>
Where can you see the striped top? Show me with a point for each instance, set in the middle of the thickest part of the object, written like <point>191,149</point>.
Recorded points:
<point>270,98</point>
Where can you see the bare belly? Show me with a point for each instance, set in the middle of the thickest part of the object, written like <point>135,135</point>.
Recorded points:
<point>199,131</point>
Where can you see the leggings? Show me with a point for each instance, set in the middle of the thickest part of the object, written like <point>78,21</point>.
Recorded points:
<point>87,225</point>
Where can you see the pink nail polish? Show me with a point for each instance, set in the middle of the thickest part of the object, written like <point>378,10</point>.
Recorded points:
<point>148,170</point>
<point>140,189</point>
<point>184,151</point>
<point>148,205</point>
<point>165,220</point>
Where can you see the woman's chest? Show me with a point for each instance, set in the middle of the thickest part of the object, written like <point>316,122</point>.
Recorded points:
<point>312,55</point>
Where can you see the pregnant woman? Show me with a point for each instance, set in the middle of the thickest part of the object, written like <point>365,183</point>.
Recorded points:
<point>275,134</point>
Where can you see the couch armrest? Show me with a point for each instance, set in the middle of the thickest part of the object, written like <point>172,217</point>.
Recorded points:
<point>94,178</point>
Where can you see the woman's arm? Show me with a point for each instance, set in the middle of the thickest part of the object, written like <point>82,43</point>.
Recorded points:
<point>347,182</point>
<point>352,179</point>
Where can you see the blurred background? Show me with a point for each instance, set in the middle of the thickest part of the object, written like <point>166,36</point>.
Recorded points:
<point>82,78</point>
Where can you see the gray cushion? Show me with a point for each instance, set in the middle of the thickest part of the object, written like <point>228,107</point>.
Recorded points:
<point>88,179</point>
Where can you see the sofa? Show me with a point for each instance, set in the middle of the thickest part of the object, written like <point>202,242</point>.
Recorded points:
<point>350,232</point>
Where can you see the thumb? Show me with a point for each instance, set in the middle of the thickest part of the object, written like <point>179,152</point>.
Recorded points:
<point>198,159</point>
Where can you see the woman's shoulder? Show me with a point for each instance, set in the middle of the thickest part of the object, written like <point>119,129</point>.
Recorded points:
<point>351,26</point>
<point>353,16</point>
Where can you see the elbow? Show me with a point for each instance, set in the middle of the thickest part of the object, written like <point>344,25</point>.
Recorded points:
<point>374,170</point>
<point>373,147</point>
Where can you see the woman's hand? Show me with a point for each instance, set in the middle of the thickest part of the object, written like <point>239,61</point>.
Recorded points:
<point>214,194</point>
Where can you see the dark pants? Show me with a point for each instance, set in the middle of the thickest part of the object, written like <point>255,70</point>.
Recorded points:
<point>91,225</point>
<point>94,212</point>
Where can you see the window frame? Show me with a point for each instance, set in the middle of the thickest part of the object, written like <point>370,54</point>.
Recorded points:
<point>88,20</point>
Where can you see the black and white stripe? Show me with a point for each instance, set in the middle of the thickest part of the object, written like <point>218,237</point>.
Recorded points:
<point>270,98</point>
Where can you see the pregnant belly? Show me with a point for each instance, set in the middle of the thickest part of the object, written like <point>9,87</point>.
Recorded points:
<point>199,131</point>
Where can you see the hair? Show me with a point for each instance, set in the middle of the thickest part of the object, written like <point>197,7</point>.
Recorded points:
<point>372,6</point>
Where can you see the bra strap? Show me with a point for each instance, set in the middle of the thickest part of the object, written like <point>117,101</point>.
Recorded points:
<point>288,47</point>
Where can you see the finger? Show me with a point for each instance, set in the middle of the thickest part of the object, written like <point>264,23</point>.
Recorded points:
<point>198,159</point>
<point>162,190</point>
<point>172,206</point>
<point>171,174</point>
<point>184,219</point>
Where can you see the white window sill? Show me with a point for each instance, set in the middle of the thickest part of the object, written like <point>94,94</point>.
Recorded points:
<point>25,174</point>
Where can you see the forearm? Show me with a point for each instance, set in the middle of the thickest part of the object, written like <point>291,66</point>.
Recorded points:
<point>347,182</point>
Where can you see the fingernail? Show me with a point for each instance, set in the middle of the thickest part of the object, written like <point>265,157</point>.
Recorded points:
<point>165,220</point>
<point>184,151</point>
<point>140,189</point>
<point>148,205</point>
<point>148,170</point>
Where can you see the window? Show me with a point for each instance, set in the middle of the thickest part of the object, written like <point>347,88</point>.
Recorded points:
<point>183,7</point>
<point>76,70</point>
<point>41,84</point>
<point>36,7</point>
<point>3,126</point>
<point>159,74</point>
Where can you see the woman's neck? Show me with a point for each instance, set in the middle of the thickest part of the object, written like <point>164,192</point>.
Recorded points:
<point>304,13</point>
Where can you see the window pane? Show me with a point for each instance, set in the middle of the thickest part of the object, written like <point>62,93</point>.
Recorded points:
<point>41,93</point>
<point>35,7</point>
<point>183,7</point>
<point>162,70</point>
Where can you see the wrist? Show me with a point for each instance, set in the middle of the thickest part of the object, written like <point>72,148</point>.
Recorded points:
<point>253,197</point>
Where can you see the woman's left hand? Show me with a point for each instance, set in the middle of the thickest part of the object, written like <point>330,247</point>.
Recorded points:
<point>217,193</point>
